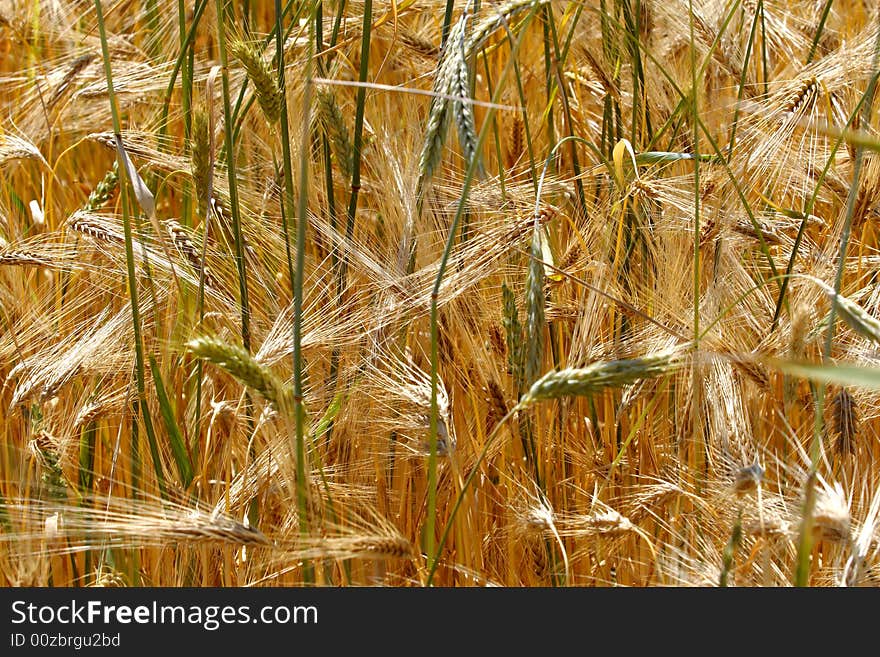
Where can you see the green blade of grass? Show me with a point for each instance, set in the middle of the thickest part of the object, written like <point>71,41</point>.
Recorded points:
<point>178,64</point>
<point>178,445</point>
<point>819,29</point>
<point>244,303</point>
<point>844,375</point>
<point>87,458</point>
<point>140,370</point>
<point>667,157</point>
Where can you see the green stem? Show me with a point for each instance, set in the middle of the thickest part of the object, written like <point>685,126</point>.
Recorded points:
<point>430,519</point>
<point>239,113</point>
<point>301,223</point>
<point>696,152</point>
<point>566,109</point>
<point>357,145</point>
<point>233,180</point>
<point>181,58</point>
<point>764,47</point>
<point>742,85</point>
<point>447,22</point>
<point>819,29</point>
<point>130,267</point>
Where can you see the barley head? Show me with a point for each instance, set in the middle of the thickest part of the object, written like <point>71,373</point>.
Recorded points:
<point>265,82</point>
<point>599,376</point>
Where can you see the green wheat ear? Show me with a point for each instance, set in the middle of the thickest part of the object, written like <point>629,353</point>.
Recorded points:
<point>534,311</point>
<point>598,376</point>
<point>200,159</point>
<point>334,127</point>
<point>103,190</point>
<point>265,81</point>
<point>242,366</point>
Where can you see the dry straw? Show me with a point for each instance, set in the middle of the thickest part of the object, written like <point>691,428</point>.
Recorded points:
<point>516,141</point>
<point>419,44</point>
<point>184,245</point>
<point>94,476</point>
<point>93,226</point>
<point>381,547</point>
<point>77,67</point>
<point>497,404</point>
<point>129,523</point>
<point>25,258</point>
<point>608,522</point>
<point>748,366</point>
<point>108,578</point>
<point>831,518</point>
<point>803,98</point>
<point>16,148</point>
<point>844,421</point>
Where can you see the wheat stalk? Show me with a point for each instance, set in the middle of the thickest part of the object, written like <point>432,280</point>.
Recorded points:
<point>103,190</point>
<point>78,65</point>
<point>90,225</point>
<point>844,421</point>
<point>422,46</point>
<point>452,81</point>
<point>25,258</point>
<point>458,85</point>
<point>17,148</point>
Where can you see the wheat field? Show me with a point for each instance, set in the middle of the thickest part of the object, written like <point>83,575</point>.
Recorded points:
<point>435,293</point>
